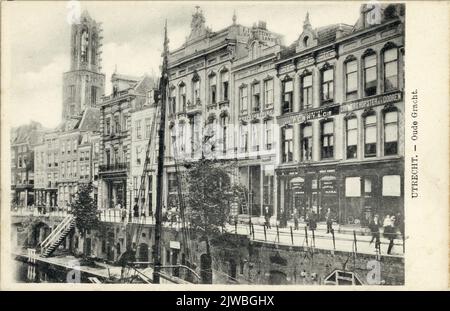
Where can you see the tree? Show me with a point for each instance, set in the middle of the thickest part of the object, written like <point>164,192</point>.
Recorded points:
<point>209,193</point>
<point>85,211</point>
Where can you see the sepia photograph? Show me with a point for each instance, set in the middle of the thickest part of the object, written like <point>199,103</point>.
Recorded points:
<point>228,143</point>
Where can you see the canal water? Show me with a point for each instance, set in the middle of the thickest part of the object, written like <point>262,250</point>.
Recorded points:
<point>41,272</point>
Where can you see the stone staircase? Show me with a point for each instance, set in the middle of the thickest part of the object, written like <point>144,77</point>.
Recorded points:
<point>55,238</point>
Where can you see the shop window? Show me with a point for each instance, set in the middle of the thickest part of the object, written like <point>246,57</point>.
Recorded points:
<point>243,99</point>
<point>390,57</point>
<point>327,139</point>
<point>287,87</point>
<point>287,143</point>
<point>351,79</point>
<point>352,138</point>
<point>352,187</point>
<point>327,85</point>
<point>390,133</point>
<point>370,136</point>
<point>307,91</point>
<point>256,96</point>
<point>268,93</point>
<point>391,186</point>
<point>370,74</point>
<point>306,142</point>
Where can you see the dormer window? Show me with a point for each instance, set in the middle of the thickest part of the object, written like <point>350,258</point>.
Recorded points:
<point>306,41</point>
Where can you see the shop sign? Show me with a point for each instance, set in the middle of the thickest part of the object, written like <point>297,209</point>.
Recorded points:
<point>258,115</point>
<point>324,112</point>
<point>371,102</point>
<point>328,186</point>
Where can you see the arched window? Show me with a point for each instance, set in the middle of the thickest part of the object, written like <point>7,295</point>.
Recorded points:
<point>306,142</point>
<point>196,89</point>
<point>287,99</point>
<point>172,100</point>
<point>352,137</point>
<point>212,88</point>
<point>307,91</point>
<point>370,73</point>
<point>390,59</point>
<point>327,139</point>
<point>390,132</point>
<point>224,83</point>
<point>256,96</point>
<point>287,133</point>
<point>327,77</point>
<point>351,78</point>
<point>306,41</point>
<point>268,93</point>
<point>94,49</point>
<point>243,99</point>
<point>370,135</point>
<point>84,45</point>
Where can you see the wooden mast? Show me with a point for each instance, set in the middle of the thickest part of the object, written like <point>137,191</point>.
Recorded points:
<point>159,178</point>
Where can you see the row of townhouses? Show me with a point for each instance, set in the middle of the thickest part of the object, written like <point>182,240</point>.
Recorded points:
<point>311,126</point>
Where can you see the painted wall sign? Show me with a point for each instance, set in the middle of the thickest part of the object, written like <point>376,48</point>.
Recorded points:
<point>258,115</point>
<point>311,115</point>
<point>372,102</point>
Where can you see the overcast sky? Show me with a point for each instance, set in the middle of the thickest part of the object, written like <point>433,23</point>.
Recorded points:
<point>37,35</point>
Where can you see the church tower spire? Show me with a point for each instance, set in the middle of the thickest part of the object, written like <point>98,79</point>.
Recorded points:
<point>83,85</point>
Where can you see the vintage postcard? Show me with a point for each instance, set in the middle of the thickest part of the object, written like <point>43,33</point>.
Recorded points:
<point>161,145</point>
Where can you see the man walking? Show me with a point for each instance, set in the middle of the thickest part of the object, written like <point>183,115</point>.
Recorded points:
<point>374,227</point>
<point>267,216</point>
<point>329,220</point>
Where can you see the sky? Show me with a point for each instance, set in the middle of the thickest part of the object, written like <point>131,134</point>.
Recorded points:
<point>36,41</point>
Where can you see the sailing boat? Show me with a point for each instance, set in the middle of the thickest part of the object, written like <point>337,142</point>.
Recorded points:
<point>153,273</point>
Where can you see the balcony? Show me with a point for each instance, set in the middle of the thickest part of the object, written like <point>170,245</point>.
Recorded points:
<point>195,107</point>
<point>114,167</point>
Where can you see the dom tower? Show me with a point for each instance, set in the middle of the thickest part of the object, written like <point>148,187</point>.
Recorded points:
<point>83,85</point>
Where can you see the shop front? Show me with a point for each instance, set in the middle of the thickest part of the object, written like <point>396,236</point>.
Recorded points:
<point>304,190</point>
<point>370,189</point>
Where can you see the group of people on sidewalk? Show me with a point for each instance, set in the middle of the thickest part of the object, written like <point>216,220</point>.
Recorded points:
<point>392,225</point>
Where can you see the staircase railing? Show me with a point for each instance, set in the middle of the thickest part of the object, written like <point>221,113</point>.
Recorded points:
<point>55,234</point>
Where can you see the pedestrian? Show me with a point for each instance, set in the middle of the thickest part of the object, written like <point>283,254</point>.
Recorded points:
<point>295,216</point>
<point>374,227</point>
<point>312,221</point>
<point>329,220</point>
<point>124,214</point>
<point>267,216</point>
<point>389,231</point>
<point>135,210</point>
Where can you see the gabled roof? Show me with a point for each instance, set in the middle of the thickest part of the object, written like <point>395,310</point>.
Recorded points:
<point>90,120</point>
